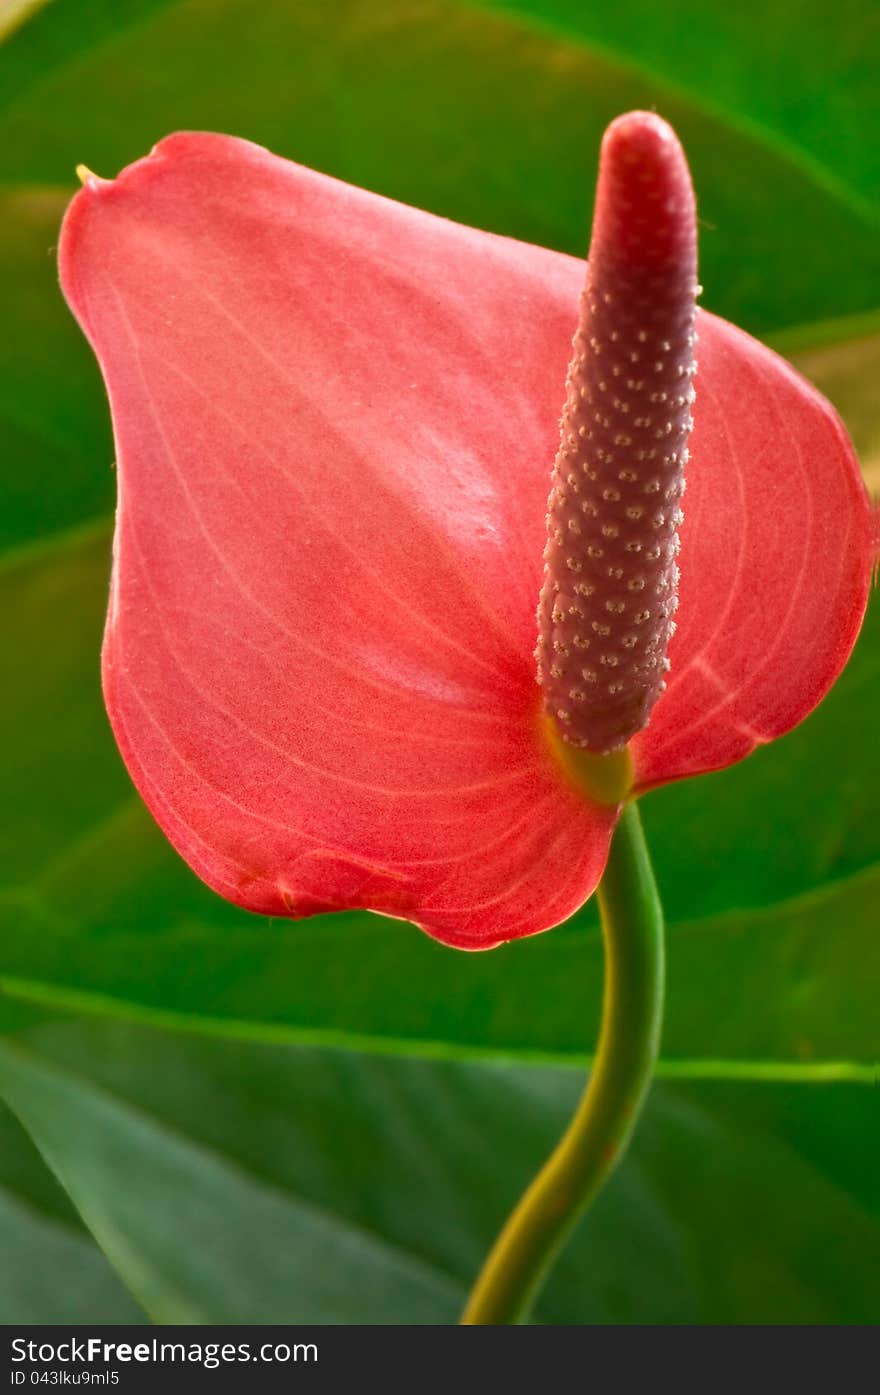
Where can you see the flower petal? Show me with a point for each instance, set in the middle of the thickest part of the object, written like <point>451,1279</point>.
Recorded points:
<point>335,421</point>
<point>777,550</point>
<point>335,418</point>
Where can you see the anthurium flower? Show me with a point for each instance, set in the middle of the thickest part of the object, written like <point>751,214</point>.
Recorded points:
<point>336,419</point>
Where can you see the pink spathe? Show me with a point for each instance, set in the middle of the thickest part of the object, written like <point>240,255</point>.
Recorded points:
<point>336,419</point>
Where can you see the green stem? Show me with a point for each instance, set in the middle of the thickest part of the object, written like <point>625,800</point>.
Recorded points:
<point>596,1138</point>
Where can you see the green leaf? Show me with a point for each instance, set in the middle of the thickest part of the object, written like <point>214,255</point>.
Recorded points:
<point>196,1237</point>
<point>237,1183</point>
<point>801,74</point>
<point>53,34</point>
<point>50,1268</point>
<point>478,114</point>
<point>62,773</point>
<point>55,422</point>
<point>803,1006</point>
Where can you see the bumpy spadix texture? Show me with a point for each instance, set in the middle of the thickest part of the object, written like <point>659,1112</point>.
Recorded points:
<point>334,421</point>
<point>611,580</point>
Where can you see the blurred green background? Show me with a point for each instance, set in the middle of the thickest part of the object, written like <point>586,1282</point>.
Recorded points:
<point>215,1118</point>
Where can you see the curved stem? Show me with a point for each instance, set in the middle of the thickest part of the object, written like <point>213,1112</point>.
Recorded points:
<point>596,1138</point>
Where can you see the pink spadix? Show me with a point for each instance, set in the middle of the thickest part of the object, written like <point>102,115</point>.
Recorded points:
<point>611,576</point>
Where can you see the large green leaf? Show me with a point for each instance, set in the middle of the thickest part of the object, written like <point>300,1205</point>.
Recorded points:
<point>51,1270</point>
<point>478,114</point>
<point>55,423</point>
<point>798,73</point>
<point>785,992</point>
<point>244,1183</point>
<point>53,33</point>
